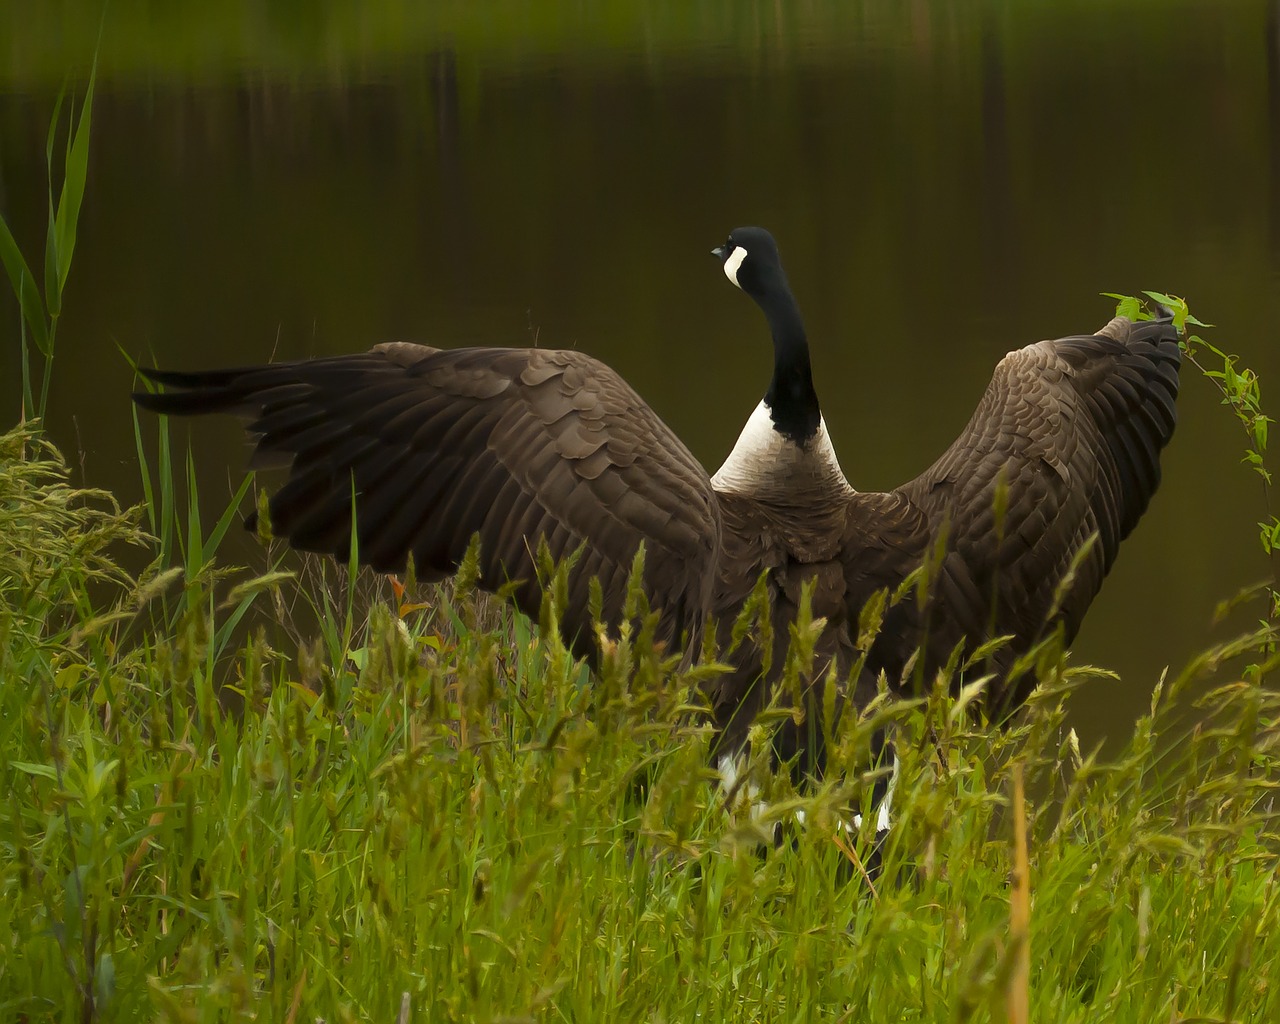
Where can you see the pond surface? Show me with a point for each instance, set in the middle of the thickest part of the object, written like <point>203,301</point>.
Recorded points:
<point>947,181</point>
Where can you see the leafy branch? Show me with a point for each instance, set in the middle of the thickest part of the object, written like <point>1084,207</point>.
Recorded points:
<point>1241,392</point>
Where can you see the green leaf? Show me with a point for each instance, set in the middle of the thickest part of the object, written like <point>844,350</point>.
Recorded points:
<point>53,134</point>
<point>1165,300</point>
<point>52,289</point>
<point>1126,305</point>
<point>230,513</point>
<point>46,771</point>
<point>164,469</point>
<point>24,287</point>
<point>309,697</point>
<point>104,979</point>
<point>73,184</point>
<point>194,553</point>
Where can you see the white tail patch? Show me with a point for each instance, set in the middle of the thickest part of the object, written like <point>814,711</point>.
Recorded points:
<point>884,818</point>
<point>730,767</point>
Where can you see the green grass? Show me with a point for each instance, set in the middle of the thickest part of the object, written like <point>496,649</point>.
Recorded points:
<point>450,815</point>
<point>376,810</point>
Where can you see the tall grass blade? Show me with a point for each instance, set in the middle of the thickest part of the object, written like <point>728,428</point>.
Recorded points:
<point>24,289</point>
<point>73,184</point>
<point>1018,1000</point>
<point>52,283</point>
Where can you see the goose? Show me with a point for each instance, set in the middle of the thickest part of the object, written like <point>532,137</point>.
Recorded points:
<point>522,446</point>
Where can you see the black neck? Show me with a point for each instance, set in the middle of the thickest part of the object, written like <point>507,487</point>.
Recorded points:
<point>792,401</point>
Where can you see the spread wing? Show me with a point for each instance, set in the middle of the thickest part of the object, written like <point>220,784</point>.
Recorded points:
<point>516,445</point>
<point>1071,432</point>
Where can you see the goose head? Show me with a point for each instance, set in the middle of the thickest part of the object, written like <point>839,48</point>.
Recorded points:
<point>750,260</point>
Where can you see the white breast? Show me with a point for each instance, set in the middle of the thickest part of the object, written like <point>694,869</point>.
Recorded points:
<point>764,462</point>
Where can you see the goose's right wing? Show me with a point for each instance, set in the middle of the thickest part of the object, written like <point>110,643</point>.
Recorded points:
<point>517,445</point>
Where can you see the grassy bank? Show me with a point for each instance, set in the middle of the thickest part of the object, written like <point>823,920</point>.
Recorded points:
<point>419,813</point>
<point>391,807</point>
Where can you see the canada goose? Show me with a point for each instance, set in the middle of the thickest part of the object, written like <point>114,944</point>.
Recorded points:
<point>519,445</point>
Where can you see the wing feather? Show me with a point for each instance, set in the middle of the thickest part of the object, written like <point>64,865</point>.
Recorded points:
<point>518,445</point>
<point>1073,429</point>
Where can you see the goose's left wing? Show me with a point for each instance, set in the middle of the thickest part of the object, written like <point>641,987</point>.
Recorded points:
<point>1064,445</point>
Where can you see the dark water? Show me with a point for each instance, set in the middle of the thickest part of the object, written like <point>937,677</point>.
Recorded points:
<point>947,181</point>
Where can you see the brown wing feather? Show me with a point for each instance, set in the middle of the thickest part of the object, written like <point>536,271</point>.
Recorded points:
<point>517,445</point>
<point>1074,429</point>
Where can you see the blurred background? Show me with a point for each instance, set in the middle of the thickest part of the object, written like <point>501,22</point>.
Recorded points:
<point>947,181</point>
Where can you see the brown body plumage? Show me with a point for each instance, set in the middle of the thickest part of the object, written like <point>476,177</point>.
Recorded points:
<point>525,445</point>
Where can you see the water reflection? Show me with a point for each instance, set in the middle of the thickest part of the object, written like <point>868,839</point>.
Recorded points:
<point>947,182</point>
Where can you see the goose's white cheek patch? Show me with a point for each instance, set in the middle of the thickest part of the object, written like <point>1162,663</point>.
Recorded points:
<point>734,263</point>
